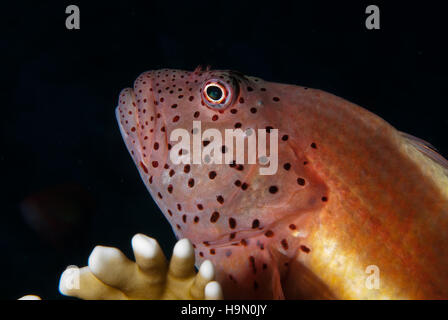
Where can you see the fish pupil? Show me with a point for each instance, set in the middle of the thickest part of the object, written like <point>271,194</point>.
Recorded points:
<point>214,92</point>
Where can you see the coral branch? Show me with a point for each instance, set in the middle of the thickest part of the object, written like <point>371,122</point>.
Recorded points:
<point>111,275</point>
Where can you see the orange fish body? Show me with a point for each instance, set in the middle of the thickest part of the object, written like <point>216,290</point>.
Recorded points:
<point>355,210</point>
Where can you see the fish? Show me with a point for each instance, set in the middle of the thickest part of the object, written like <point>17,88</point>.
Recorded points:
<point>356,209</point>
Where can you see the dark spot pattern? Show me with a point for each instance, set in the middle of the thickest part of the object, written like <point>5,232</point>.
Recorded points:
<point>269,234</point>
<point>305,249</point>
<point>214,217</point>
<point>212,175</point>
<point>252,264</point>
<point>255,224</point>
<point>178,101</point>
<point>273,189</point>
<point>284,244</point>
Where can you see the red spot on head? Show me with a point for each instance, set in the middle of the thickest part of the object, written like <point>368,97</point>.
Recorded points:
<point>269,234</point>
<point>284,244</point>
<point>255,224</point>
<point>305,249</point>
<point>273,189</point>
<point>214,217</point>
<point>252,264</point>
<point>143,167</point>
<point>212,175</point>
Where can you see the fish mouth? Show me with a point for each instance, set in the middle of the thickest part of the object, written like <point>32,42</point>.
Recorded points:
<point>128,120</point>
<point>120,124</point>
<point>136,117</point>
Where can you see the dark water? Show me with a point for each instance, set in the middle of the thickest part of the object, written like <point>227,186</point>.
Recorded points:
<point>60,87</point>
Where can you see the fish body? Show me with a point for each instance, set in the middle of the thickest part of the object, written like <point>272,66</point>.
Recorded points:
<point>355,210</point>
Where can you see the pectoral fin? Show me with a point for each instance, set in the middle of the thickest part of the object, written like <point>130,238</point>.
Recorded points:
<point>427,149</point>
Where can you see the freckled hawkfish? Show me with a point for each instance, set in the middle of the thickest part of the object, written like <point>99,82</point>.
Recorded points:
<point>356,209</point>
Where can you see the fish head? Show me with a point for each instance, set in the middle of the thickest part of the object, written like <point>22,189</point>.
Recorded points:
<point>245,211</point>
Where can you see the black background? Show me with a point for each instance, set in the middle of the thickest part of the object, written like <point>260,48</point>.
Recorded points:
<point>60,87</point>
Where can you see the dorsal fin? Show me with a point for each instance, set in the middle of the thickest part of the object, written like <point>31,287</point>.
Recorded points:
<point>427,149</point>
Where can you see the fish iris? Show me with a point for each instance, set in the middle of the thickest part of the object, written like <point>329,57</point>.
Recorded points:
<point>214,93</point>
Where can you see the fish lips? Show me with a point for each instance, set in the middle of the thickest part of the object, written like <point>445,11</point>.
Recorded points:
<point>136,119</point>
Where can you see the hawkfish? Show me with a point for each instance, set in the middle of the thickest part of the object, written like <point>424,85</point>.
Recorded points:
<point>355,210</point>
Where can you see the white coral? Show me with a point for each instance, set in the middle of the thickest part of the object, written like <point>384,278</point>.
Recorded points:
<point>110,275</point>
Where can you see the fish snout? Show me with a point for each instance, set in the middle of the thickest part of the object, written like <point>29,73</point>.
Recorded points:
<point>136,119</point>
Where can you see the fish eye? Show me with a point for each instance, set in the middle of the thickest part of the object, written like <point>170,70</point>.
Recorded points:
<point>217,94</point>
<point>214,92</point>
